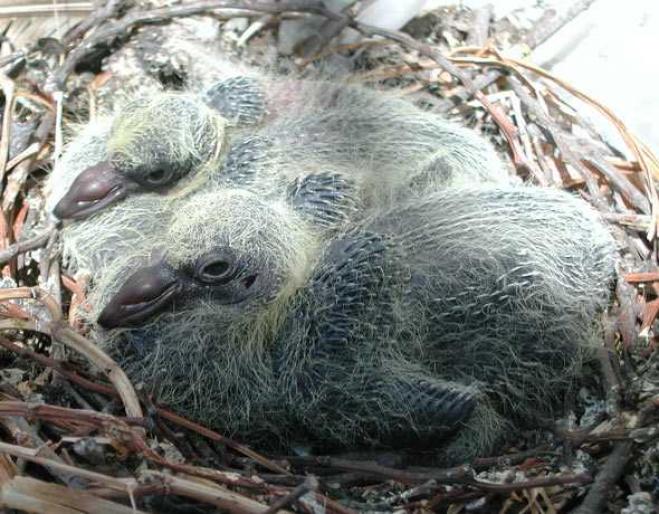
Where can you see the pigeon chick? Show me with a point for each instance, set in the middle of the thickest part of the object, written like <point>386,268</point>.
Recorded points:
<point>451,318</point>
<point>173,142</point>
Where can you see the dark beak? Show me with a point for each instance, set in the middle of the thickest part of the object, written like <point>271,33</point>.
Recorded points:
<point>93,190</point>
<point>143,294</point>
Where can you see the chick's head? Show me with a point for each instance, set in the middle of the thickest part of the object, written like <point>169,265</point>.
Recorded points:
<point>155,144</point>
<point>227,251</point>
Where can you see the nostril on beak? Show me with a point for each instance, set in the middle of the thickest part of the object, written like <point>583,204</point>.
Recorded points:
<point>249,281</point>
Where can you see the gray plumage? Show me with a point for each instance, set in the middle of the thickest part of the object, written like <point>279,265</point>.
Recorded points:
<point>465,311</point>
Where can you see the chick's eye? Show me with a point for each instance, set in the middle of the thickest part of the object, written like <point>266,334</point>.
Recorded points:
<point>159,177</point>
<point>215,272</point>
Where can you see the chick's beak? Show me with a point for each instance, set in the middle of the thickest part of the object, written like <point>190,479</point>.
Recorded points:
<point>143,294</point>
<point>91,191</point>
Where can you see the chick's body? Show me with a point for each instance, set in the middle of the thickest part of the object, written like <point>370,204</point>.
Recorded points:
<point>464,311</point>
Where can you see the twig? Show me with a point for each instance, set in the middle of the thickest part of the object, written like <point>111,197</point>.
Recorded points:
<point>55,413</point>
<point>606,479</point>
<point>214,436</point>
<point>254,29</point>
<point>27,494</point>
<point>458,475</point>
<point>115,374</point>
<point>110,31</point>
<point>96,17</point>
<point>480,28</point>
<point>212,494</point>
<point>642,277</point>
<point>508,460</point>
<point>540,33</point>
<point>566,479</point>
<point>62,333</point>
<point>626,188</point>
<point>58,366</point>
<point>500,118</point>
<point>26,435</point>
<point>30,151</point>
<point>327,32</point>
<point>561,140</point>
<point>120,484</point>
<point>8,90</point>
<point>45,8</point>
<point>38,241</point>
<point>12,58</point>
<point>166,414</point>
<point>310,484</point>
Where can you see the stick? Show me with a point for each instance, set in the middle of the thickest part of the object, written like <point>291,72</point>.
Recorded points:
<point>38,241</point>
<point>110,31</point>
<point>310,484</point>
<point>606,479</point>
<point>480,29</point>
<point>540,33</point>
<point>61,332</point>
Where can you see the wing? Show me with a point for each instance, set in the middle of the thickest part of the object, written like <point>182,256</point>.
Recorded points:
<point>239,99</point>
<point>328,199</point>
<point>245,160</point>
<point>343,360</point>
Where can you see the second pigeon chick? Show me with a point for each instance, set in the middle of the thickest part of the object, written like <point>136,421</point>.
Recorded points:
<point>169,141</point>
<point>463,312</point>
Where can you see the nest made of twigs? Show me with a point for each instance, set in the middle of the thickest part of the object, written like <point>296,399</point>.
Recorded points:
<point>79,441</point>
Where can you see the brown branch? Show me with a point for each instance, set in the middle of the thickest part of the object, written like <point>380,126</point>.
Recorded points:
<point>573,479</point>
<point>541,32</point>
<point>509,460</point>
<point>310,484</point>
<point>59,367</point>
<point>507,128</point>
<point>111,31</point>
<point>165,413</point>
<point>562,141</point>
<point>95,18</point>
<point>38,241</point>
<point>56,414</point>
<point>458,475</point>
<point>606,479</point>
<point>312,46</point>
<point>216,495</point>
<point>642,277</point>
<point>119,429</point>
<point>27,494</point>
<point>32,455</point>
<point>61,332</point>
<point>637,432</point>
<point>26,434</point>
<point>213,494</point>
<point>214,436</point>
<point>618,180</point>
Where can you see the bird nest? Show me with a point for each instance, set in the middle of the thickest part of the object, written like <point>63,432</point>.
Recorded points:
<point>77,436</point>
